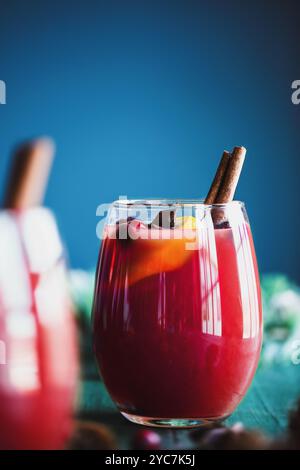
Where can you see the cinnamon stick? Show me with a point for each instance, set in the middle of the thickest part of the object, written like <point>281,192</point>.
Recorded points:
<point>29,174</point>
<point>230,179</point>
<point>215,186</point>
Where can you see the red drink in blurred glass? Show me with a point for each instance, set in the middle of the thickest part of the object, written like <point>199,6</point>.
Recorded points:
<point>38,369</point>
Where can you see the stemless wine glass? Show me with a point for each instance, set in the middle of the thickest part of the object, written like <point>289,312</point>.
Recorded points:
<point>38,359</point>
<point>177,318</point>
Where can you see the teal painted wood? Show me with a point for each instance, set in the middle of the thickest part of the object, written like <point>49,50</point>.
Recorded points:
<point>273,393</point>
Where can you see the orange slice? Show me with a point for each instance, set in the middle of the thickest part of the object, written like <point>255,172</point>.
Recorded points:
<point>157,256</point>
<point>186,222</point>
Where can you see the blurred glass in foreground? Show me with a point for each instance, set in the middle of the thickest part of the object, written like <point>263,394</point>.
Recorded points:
<point>38,373</point>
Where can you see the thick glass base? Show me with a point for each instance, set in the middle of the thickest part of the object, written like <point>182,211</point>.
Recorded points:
<point>172,422</point>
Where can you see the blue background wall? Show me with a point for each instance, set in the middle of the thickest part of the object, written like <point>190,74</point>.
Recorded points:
<point>142,97</point>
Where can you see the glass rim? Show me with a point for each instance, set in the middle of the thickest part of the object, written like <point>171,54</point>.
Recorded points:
<point>161,202</point>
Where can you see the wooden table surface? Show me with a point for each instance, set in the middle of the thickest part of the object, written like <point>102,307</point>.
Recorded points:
<point>273,393</point>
